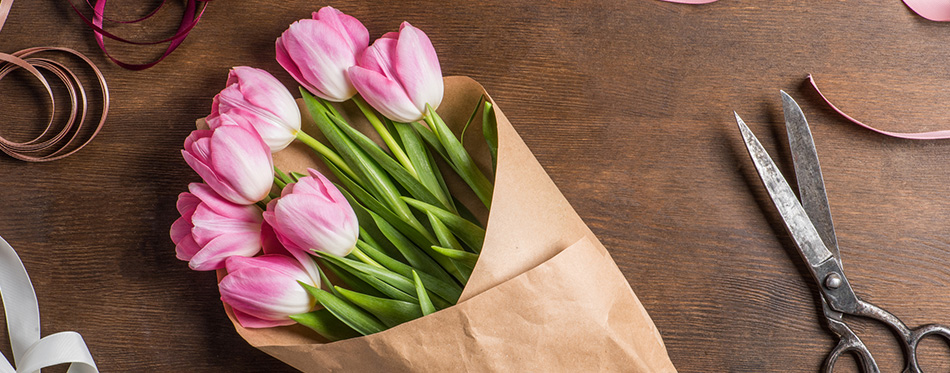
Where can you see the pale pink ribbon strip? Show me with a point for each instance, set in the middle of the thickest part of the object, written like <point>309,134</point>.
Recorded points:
<point>934,10</point>
<point>690,1</point>
<point>55,142</point>
<point>933,135</point>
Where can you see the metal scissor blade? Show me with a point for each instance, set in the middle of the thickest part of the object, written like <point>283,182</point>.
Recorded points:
<point>799,226</point>
<point>811,185</point>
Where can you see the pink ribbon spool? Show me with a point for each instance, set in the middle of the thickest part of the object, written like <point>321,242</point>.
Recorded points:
<point>55,142</point>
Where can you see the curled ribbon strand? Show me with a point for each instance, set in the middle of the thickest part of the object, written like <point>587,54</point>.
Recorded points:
<point>932,135</point>
<point>30,352</point>
<point>53,143</point>
<point>189,20</point>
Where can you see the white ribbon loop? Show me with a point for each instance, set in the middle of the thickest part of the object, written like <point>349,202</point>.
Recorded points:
<point>23,325</point>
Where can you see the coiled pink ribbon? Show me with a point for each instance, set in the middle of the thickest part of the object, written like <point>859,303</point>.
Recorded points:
<point>55,142</point>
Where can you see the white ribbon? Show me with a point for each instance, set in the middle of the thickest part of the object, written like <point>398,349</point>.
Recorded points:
<point>31,353</point>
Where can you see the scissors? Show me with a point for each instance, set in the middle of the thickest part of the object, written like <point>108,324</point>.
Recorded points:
<point>810,226</point>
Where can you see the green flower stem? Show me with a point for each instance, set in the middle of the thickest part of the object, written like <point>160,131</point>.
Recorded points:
<point>386,135</point>
<point>280,183</point>
<point>323,150</point>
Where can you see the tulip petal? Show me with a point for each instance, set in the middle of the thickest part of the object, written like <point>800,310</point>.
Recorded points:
<point>180,229</point>
<point>331,230</point>
<point>197,144</point>
<point>186,248</point>
<point>281,264</point>
<point>263,90</point>
<point>354,33</point>
<point>265,293</point>
<point>213,181</point>
<point>378,57</point>
<point>249,321</point>
<point>283,58</point>
<point>328,189</point>
<point>384,95</point>
<point>209,225</point>
<point>187,202</point>
<point>417,67</point>
<point>269,241</point>
<point>222,206</point>
<point>213,255</point>
<point>276,132</point>
<point>243,160</point>
<point>318,43</point>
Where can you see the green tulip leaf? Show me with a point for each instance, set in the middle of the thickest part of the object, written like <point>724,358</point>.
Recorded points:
<point>280,175</point>
<point>432,139</point>
<point>471,118</point>
<point>458,255</point>
<point>415,256</point>
<point>376,181</point>
<point>490,131</point>
<point>396,170</point>
<point>352,316</point>
<point>425,166</point>
<point>470,233</point>
<point>450,290</point>
<point>326,324</point>
<point>371,204</point>
<point>385,275</point>
<point>390,312</point>
<point>381,288</point>
<point>459,157</point>
<point>352,281</point>
<point>424,303</point>
<point>296,175</point>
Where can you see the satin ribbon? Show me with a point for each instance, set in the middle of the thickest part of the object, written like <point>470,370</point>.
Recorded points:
<point>30,352</point>
<point>190,18</point>
<point>55,142</point>
<point>932,135</point>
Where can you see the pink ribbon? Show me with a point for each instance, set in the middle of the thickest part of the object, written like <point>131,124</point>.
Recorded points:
<point>932,135</point>
<point>934,10</point>
<point>188,21</point>
<point>53,143</point>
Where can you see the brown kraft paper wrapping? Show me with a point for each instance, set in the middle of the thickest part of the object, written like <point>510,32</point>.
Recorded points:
<point>544,296</point>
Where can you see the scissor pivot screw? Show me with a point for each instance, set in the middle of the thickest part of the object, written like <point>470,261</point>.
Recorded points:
<point>833,281</point>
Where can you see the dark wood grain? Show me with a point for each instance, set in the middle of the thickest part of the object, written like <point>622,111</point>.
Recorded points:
<point>627,104</point>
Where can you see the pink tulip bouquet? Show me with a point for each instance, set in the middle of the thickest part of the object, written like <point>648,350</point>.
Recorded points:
<point>387,242</point>
<point>388,258</point>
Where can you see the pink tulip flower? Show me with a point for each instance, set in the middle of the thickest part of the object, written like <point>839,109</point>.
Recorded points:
<point>272,245</point>
<point>317,52</point>
<point>211,229</point>
<point>312,214</point>
<point>264,291</point>
<point>233,161</point>
<point>399,74</point>
<point>258,98</point>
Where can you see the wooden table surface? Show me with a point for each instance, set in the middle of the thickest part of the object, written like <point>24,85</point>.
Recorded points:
<point>626,103</point>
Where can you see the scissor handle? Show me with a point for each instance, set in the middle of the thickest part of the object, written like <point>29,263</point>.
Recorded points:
<point>909,338</point>
<point>849,342</point>
<point>916,335</point>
